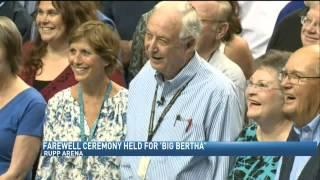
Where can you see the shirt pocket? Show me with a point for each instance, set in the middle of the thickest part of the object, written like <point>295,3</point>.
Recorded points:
<point>186,129</point>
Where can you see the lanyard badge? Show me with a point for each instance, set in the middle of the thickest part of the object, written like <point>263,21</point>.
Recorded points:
<point>94,127</point>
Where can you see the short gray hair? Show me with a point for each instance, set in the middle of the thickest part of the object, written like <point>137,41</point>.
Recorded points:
<point>273,59</point>
<point>191,25</point>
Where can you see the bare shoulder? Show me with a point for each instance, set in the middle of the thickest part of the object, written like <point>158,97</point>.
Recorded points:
<point>238,51</point>
<point>238,44</point>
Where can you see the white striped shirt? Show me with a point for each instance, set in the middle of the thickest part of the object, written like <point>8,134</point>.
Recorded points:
<point>211,102</point>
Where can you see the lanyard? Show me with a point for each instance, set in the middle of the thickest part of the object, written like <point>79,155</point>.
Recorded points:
<point>151,132</point>
<point>94,127</point>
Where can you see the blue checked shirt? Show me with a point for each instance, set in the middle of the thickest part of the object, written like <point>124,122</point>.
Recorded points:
<point>209,100</point>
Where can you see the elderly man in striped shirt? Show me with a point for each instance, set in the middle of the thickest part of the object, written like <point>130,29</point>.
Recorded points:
<point>177,96</point>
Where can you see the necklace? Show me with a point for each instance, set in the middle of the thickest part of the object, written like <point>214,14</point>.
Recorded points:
<point>94,127</point>
<point>259,135</point>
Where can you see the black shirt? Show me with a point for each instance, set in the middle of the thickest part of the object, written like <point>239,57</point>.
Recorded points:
<point>287,34</point>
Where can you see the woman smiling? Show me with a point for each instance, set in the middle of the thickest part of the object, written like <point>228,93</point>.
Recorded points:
<point>265,100</point>
<point>92,110</point>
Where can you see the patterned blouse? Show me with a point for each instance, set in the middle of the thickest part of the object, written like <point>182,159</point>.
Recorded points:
<point>63,124</point>
<point>253,167</point>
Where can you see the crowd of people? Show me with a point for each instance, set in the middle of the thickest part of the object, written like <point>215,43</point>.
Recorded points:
<point>183,71</point>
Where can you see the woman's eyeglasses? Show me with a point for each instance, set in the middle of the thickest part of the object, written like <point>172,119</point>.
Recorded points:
<point>261,85</point>
<point>306,21</point>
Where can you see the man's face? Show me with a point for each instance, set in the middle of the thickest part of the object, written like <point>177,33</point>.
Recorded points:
<point>310,31</point>
<point>208,15</point>
<point>166,52</point>
<point>302,98</point>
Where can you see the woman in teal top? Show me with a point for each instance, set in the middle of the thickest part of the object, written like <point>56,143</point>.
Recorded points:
<point>264,100</point>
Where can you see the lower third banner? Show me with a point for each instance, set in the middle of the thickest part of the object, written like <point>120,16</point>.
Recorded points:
<point>175,148</point>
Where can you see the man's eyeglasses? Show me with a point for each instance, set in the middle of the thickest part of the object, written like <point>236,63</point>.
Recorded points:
<point>306,21</point>
<point>261,85</point>
<point>294,78</point>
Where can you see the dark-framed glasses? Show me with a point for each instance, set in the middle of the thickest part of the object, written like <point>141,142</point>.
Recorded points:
<point>294,78</point>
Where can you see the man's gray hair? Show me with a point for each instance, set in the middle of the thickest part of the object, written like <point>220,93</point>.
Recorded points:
<point>191,25</point>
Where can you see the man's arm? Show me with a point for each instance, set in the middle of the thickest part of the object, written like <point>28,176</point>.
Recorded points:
<point>224,125</point>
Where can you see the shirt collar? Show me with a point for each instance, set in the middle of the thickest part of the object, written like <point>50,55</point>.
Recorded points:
<point>311,127</point>
<point>184,75</point>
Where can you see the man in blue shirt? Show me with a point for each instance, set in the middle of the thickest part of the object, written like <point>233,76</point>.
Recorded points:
<point>301,85</point>
<point>177,96</point>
